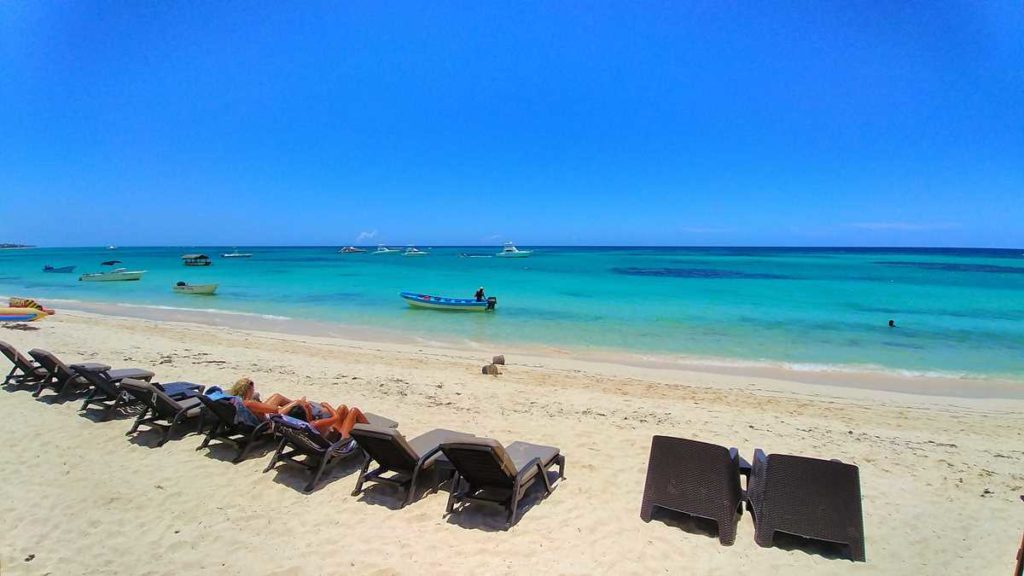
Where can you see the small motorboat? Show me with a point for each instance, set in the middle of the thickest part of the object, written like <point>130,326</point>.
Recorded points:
<point>443,303</point>
<point>111,247</point>
<point>58,269</point>
<point>21,314</point>
<point>382,249</point>
<point>196,260</point>
<point>115,275</point>
<point>236,254</point>
<point>510,251</point>
<point>198,289</point>
<point>413,251</point>
<point>110,263</point>
<point>351,250</point>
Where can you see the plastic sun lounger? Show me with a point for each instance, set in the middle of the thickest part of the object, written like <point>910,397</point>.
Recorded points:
<point>62,379</point>
<point>24,370</point>
<point>695,478</point>
<point>487,472</point>
<point>106,391</point>
<point>302,444</point>
<point>405,460</point>
<point>808,497</point>
<point>160,410</point>
<point>227,430</point>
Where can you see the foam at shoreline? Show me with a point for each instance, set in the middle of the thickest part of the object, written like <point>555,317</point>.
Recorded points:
<point>931,383</point>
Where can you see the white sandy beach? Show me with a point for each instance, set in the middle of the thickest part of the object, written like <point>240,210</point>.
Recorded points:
<point>940,475</point>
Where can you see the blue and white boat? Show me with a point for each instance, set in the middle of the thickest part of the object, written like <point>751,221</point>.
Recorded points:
<point>417,300</point>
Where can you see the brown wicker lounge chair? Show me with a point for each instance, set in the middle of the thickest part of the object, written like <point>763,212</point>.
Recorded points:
<point>24,370</point>
<point>62,379</point>
<point>227,429</point>
<point>106,391</point>
<point>808,497</point>
<point>301,444</point>
<point>487,472</point>
<point>405,460</point>
<point>160,410</point>
<point>695,478</point>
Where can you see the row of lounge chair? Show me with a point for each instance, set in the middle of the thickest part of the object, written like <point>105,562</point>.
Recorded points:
<point>806,497</point>
<point>480,469</point>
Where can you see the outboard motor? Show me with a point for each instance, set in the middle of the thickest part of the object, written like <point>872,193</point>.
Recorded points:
<point>491,302</point>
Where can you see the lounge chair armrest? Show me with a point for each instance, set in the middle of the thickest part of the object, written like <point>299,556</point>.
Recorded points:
<point>529,466</point>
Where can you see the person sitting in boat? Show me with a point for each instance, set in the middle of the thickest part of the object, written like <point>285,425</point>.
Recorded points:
<point>479,294</point>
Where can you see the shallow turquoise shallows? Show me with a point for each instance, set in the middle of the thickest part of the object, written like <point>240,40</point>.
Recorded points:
<point>956,311</point>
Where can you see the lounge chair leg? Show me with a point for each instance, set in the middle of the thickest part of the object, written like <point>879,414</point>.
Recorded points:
<point>412,487</point>
<point>165,436</point>
<point>88,399</point>
<point>513,508</point>
<point>362,475</point>
<point>319,470</point>
<point>137,423</point>
<point>277,455</point>
<point>10,376</point>
<point>456,480</point>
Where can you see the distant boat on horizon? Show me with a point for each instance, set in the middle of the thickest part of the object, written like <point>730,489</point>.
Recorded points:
<point>413,251</point>
<point>510,251</point>
<point>236,254</point>
<point>382,249</point>
<point>111,247</point>
<point>58,269</point>
<point>351,250</point>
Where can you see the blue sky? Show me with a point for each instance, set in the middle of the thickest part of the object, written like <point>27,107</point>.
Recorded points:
<point>656,123</point>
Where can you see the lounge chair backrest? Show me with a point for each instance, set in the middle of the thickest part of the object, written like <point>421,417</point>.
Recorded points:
<point>692,477</point>
<point>52,364</point>
<point>301,436</point>
<point>151,396</point>
<point>100,381</point>
<point>385,445</point>
<point>221,409</point>
<point>809,497</point>
<point>481,461</point>
<point>16,357</point>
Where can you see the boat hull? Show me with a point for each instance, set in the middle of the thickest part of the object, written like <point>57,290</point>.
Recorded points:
<point>519,254</point>
<point>197,289</point>
<point>21,314</point>
<point>60,270</point>
<point>112,276</point>
<point>236,255</point>
<point>442,303</point>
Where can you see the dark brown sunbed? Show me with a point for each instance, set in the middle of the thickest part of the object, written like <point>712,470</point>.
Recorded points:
<point>62,379</point>
<point>695,478</point>
<point>487,472</point>
<point>228,429</point>
<point>160,410</point>
<point>24,370</point>
<point>405,460</point>
<point>106,391</point>
<point>807,497</point>
<point>303,445</point>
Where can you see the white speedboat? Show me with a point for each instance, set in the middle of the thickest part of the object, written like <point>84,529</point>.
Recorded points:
<point>116,275</point>
<point>111,247</point>
<point>413,251</point>
<point>199,289</point>
<point>382,249</point>
<point>510,251</point>
<point>351,250</point>
<point>236,254</point>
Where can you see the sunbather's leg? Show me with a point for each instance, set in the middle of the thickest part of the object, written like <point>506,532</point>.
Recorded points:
<point>333,420</point>
<point>276,400</point>
<point>354,416</point>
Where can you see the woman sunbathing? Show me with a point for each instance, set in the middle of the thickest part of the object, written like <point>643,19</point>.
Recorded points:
<point>245,389</point>
<point>328,421</point>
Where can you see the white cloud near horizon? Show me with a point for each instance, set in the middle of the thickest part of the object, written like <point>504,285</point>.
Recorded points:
<point>905,226</point>
<point>366,235</point>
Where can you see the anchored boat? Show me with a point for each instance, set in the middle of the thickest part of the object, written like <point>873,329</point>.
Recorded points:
<point>58,269</point>
<point>196,260</point>
<point>382,249</point>
<point>116,275</point>
<point>236,254</point>
<point>444,303</point>
<point>510,251</point>
<point>198,289</point>
<point>351,250</point>
<point>413,251</point>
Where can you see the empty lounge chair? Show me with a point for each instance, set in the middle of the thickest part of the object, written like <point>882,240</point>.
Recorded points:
<point>62,379</point>
<point>302,444</point>
<point>24,370</point>
<point>487,472</point>
<point>695,478</point>
<point>106,391</point>
<point>160,410</point>
<point>229,428</point>
<point>808,497</point>
<point>404,460</point>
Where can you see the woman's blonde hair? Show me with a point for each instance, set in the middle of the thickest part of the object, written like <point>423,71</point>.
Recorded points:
<point>241,387</point>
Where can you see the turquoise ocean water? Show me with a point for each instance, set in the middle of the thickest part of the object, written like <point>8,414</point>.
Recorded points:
<point>957,311</point>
